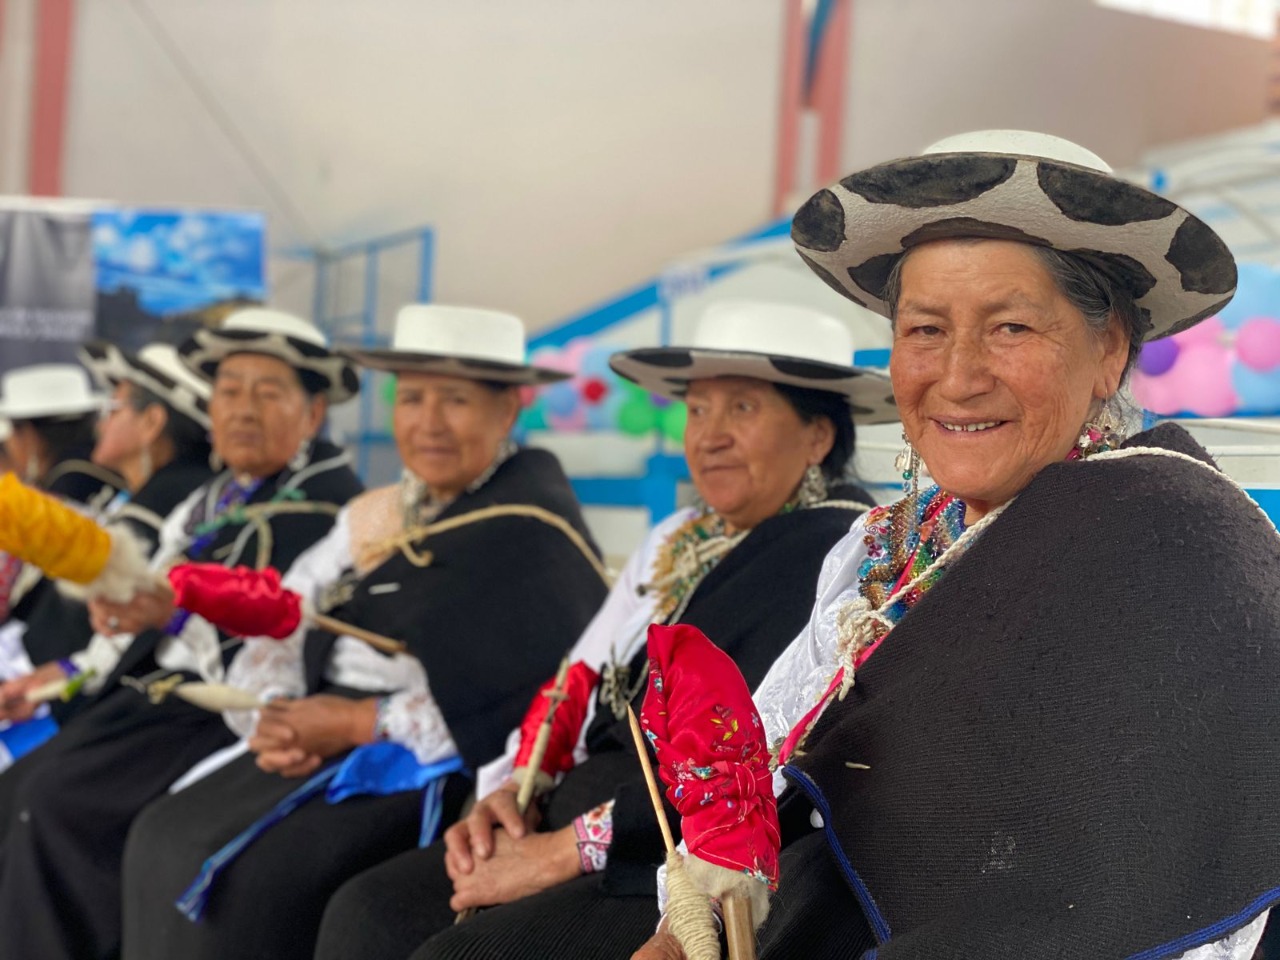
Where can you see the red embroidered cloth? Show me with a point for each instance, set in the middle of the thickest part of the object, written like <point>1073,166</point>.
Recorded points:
<point>710,742</point>
<point>239,601</point>
<point>566,723</point>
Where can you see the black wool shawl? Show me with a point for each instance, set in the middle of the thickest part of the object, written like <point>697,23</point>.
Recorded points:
<point>495,607</point>
<point>1072,739</point>
<point>751,605</point>
<point>58,625</point>
<point>288,513</point>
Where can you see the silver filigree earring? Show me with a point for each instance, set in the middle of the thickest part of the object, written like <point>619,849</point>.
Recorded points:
<point>813,487</point>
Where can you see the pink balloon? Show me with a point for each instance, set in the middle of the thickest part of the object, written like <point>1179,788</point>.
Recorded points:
<point>1200,381</point>
<point>1209,331</point>
<point>1157,394</point>
<point>1258,344</point>
<point>573,422</point>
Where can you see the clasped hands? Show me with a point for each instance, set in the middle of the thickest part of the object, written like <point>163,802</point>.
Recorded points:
<point>294,737</point>
<point>495,855</point>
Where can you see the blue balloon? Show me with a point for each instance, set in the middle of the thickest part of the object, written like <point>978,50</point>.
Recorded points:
<point>595,363</point>
<point>1257,295</point>
<point>1258,392</point>
<point>560,399</point>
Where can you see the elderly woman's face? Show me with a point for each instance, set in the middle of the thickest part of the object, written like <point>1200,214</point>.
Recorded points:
<point>993,369</point>
<point>748,448</point>
<point>448,429</point>
<point>260,414</point>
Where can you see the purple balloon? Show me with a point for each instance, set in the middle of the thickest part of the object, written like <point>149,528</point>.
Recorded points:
<point>1157,357</point>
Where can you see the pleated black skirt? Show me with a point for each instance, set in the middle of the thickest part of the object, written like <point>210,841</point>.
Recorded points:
<point>66,809</point>
<point>268,902</point>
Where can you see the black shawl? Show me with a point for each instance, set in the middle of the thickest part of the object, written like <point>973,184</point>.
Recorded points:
<point>1072,739</point>
<point>751,605</point>
<point>58,625</point>
<point>495,607</point>
<point>286,514</point>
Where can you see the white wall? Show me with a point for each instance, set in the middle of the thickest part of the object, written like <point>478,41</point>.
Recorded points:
<point>1116,82</point>
<point>563,148</point>
<point>566,149</point>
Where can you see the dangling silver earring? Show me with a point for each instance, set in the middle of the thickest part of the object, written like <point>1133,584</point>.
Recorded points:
<point>813,487</point>
<point>1105,431</point>
<point>145,465</point>
<point>300,459</point>
<point>31,472</point>
<point>908,464</point>
<point>215,458</point>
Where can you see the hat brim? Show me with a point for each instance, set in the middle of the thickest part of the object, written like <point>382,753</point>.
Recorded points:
<point>1177,269</point>
<point>110,365</point>
<point>469,368</point>
<point>205,349</point>
<point>667,371</point>
<point>44,411</point>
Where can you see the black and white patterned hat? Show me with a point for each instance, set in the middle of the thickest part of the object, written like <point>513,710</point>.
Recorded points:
<point>273,333</point>
<point>464,342</point>
<point>1017,185</point>
<point>157,368</point>
<point>775,342</point>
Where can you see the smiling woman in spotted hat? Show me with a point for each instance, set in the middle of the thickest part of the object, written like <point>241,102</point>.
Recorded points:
<point>1060,741</point>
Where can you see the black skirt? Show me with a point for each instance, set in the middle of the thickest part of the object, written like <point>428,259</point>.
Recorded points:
<point>66,809</point>
<point>268,902</point>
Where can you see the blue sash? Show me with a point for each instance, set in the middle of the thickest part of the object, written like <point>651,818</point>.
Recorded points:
<point>377,769</point>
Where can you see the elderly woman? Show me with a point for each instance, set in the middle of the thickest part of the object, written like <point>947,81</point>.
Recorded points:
<point>66,807</point>
<point>50,410</point>
<point>771,400</point>
<point>479,560</point>
<point>154,435</point>
<point>1063,721</point>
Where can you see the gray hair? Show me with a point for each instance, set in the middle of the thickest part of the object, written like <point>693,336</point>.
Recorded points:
<point>1089,288</point>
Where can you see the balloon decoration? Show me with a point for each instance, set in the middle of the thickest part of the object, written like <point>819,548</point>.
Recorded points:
<point>1225,365</point>
<point>596,398</point>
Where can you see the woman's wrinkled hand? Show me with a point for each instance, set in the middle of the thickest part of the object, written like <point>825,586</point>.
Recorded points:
<point>472,838</point>
<point>294,737</point>
<point>661,946</point>
<point>516,869</point>
<point>149,609</point>
<point>13,693</point>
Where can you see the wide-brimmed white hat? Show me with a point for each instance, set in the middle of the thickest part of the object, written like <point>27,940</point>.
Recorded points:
<point>458,342</point>
<point>300,344</point>
<point>155,368</point>
<point>1016,185</point>
<point>48,390</point>
<point>776,342</point>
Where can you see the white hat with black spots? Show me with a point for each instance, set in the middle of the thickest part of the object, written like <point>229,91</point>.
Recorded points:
<point>775,342</point>
<point>466,342</point>
<point>1017,185</point>
<point>274,333</point>
<point>156,368</point>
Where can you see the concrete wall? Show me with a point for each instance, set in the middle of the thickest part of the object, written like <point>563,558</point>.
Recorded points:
<point>565,149</point>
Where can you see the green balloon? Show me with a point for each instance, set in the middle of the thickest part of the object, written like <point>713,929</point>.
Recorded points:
<point>533,418</point>
<point>673,420</point>
<point>637,417</point>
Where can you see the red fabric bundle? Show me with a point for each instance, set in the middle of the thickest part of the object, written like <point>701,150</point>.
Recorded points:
<point>704,727</point>
<point>239,601</point>
<point>566,724</point>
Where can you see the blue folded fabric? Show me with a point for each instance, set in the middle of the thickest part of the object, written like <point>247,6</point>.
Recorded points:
<point>376,769</point>
<point>21,738</point>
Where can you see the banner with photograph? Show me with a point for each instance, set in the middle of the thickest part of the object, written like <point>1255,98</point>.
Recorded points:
<point>46,284</point>
<point>163,273</point>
